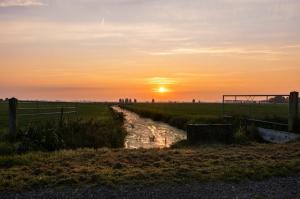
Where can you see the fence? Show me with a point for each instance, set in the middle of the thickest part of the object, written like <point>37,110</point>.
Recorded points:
<point>25,112</point>
<point>292,99</point>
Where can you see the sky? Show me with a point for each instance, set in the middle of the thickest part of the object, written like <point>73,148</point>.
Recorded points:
<point>144,49</point>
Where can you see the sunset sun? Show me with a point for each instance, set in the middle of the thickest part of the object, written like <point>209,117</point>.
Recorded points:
<point>162,89</point>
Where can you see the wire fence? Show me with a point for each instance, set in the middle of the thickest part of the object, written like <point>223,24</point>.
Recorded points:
<point>56,111</point>
<point>23,112</point>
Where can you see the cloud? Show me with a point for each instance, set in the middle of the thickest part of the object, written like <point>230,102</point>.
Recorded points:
<point>223,50</point>
<point>18,3</point>
<point>161,80</point>
<point>85,33</point>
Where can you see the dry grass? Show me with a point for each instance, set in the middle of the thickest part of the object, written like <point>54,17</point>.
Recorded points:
<point>119,166</point>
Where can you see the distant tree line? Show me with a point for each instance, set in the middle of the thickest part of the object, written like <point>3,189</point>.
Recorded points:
<point>4,100</point>
<point>127,101</point>
<point>279,99</point>
<point>194,101</point>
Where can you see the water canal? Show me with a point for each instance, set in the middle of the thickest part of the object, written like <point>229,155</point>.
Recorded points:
<point>146,133</point>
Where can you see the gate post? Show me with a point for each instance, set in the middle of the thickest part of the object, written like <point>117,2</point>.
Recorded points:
<point>223,107</point>
<point>293,111</point>
<point>12,112</point>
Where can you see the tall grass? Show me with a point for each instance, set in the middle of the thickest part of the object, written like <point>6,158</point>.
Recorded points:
<point>181,114</point>
<point>71,133</point>
<point>177,115</point>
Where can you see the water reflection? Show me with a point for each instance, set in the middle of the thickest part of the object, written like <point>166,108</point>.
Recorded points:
<point>146,133</point>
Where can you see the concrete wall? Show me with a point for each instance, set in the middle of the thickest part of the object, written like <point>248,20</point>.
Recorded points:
<point>208,133</point>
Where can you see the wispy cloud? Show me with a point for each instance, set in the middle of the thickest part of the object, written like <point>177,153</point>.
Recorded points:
<point>161,80</point>
<point>219,50</point>
<point>291,46</point>
<point>14,3</point>
<point>44,31</point>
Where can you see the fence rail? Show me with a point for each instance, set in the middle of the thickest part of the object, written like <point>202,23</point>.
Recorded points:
<point>46,108</point>
<point>15,112</point>
<point>292,99</point>
<point>268,122</point>
<point>52,113</point>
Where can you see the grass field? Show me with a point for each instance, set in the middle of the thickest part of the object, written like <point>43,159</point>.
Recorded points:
<point>192,112</point>
<point>180,114</point>
<point>88,166</point>
<point>86,111</point>
<point>94,125</point>
<point>152,166</point>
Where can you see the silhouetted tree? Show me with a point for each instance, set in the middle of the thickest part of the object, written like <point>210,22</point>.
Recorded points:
<point>153,101</point>
<point>278,99</point>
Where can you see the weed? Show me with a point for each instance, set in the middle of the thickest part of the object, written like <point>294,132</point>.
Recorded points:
<point>71,133</point>
<point>240,137</point>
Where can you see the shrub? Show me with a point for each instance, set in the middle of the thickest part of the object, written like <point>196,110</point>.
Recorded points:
<point>7,137</point>
<point>253,134</point>
<point>43,136</point>
<point>72,134</point>
<point>179,122</point>
<point>240,137</point>
<point>7,148</point>
<point>180,144</point>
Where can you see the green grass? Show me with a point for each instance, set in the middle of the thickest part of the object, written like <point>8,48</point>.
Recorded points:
<point>3,116</point>
<point>180,114</point>
<point>105,166</point>
<point>86,111</point>
<point>94,125</point>
<point>154,166</point>
<point>214,110</point>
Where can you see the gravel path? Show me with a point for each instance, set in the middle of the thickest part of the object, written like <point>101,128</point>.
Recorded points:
<point>285,188</point>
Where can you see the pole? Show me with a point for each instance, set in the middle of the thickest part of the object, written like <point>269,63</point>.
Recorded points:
<point>12,112</point>
<point>223,108</point>
<point>61,116</point>
<point>293,111</point>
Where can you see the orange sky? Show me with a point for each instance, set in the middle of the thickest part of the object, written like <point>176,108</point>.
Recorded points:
<point>122,50</point>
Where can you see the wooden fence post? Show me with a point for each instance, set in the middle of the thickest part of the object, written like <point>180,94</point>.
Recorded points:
<point>223,107</point>
<point>293,111</point>
<point>12,112</point>
<point>61,116</point>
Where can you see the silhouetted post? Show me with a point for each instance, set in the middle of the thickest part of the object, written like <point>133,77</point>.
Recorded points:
<point>223,106</point>
<point>12,109</point>
<point>293,111</point>
<point>61,116</point>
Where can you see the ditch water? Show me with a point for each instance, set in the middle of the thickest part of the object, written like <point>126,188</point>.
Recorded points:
<point>146,133</point>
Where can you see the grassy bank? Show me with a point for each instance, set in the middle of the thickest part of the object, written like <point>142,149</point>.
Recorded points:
<point>119,166</point>
<point>95,125</point>
<point>85,111</point>
<point>180,114</point>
